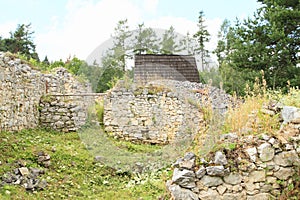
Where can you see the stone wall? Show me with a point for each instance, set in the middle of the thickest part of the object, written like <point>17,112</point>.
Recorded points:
<point>21,89</point>
<point>63,108</point>
<point>150,114</point>
<point>63,113</point>
<point>251,167</point>
<point>162,111</point>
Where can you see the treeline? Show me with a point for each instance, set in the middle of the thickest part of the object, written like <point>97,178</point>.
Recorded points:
<point>265,44</point>
<point>126,44</point>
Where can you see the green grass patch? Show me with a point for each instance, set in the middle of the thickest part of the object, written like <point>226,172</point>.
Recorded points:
<point>73,173</point>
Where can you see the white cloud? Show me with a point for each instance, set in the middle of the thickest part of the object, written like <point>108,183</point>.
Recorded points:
<point>7,27</point>
<point>87,24</point>
<point>150,6</point>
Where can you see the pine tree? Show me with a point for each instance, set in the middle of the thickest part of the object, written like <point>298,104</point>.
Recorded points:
<point>269,41</point>
<point>224,38</point>
<point>21,42</point>
<point>202,36</point>
<point>188,44</point>
<point>145,40</point>
<point>168,44</point>
<point>46,61</point>
<point>121,46</point>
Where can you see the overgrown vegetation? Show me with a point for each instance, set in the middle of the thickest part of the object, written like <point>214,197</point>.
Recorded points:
<point>248,115</point>
<point>73,174</point>
<point>249,118</point>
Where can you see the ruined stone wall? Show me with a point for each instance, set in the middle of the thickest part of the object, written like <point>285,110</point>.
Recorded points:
<point>248,168</point>
<point>63,113</point>
<point>150,114</point>
<point>22,87</point>
<point>20,90</point>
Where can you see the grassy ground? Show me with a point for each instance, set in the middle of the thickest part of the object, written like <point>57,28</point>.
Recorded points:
<point>73,173</point>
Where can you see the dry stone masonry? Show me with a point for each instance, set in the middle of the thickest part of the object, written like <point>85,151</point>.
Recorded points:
<point>257,167</point>
<point>150,114</point>
<point>61,113</point>
<point>162,111</point>
<point>23,91</point>
<point>21,88</point>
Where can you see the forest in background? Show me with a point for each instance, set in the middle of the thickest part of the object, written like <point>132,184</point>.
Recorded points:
<point>266,44</point>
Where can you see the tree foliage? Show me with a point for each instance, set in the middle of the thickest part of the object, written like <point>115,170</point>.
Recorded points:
<point>223,45</point>
<point>145,40</point>
<point>202,36</point>
<point>169,43</point>
<point>121,45</point>
<point>188,44</point>
<point>21,42</point>
<point>268,42</point>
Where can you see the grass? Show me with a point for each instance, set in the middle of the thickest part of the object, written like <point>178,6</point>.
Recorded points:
<point>248,117</point>
<point>73,173</point>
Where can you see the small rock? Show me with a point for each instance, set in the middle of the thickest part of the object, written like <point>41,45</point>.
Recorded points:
<point>189,156</point>
<point>41,184</point>
<point>53,149</point>
<point>215,170</point>
<point>252,152</point>
<point>233,178</point>
<point>16,171</point>
<point>220,158</point>
<point>36,172</point>
<point>261,196</point>
<point>28,185</point>
<point>267,112</point>
<point>288,158</point>
<point>266,188</point>
<point>203,161</point>
<point>272,141</point>
<point>24,171</point>
<point>289,146</point>
<point>209,195</point>
<point>187,164</point>
<point>266,152</point>
<point>185,178</point>
<point>257,176</point>
<point>221,189</point>
<point>47,164</point>
<point>210,181</point>
<point>289,113</point>
<point>265,137</point>
<point>229,136</point>
<point>237,196</point>
<point>284,173</point>
<point>250,186</point>
<point>179,193</point>
<point>200,172</point>
<point>176,164</point>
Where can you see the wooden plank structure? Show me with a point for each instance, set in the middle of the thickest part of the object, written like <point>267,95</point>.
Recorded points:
<point>149,67</point>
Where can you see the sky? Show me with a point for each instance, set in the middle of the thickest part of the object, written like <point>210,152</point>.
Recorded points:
<point>64,28</point>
